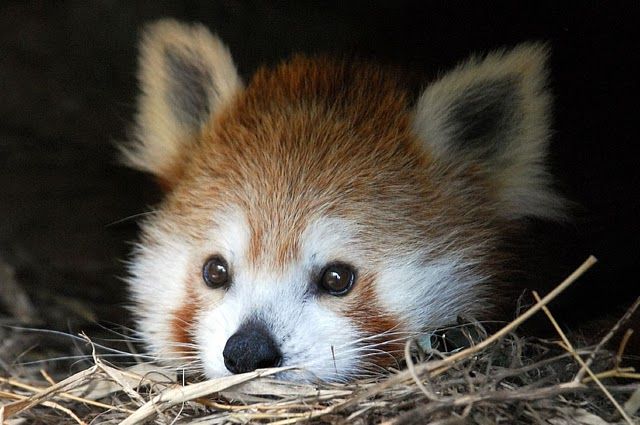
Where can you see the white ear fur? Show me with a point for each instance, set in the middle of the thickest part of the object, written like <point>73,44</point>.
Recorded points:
<point>494,111</point>
<point>185,74</point>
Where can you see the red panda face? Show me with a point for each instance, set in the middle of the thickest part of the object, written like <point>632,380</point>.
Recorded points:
<point>318,218</point>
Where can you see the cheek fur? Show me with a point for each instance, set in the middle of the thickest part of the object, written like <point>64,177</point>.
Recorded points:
<point>182,321</point>
<point>381,328</point>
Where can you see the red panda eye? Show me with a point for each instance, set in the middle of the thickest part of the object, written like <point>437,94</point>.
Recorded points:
<point>337,279</point>
<point>215,272</point>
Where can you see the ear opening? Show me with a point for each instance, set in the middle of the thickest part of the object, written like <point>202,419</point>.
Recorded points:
<point>186,75</point>
<point>494,112</point>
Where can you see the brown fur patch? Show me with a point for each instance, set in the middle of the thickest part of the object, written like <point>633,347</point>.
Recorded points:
<point>366,312</point>
<point>183,321</point>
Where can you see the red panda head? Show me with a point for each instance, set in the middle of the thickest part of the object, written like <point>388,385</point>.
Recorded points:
<point>320,215</point>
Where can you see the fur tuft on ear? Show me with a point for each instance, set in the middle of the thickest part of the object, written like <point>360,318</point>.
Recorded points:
<point>494,112</point>
<point>185,74</point>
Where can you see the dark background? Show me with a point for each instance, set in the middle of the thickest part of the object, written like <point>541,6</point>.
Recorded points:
<point>67,90</point>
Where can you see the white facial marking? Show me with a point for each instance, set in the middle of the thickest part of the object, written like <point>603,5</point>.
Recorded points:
<point>229,237</point>
<point>330,239</point>
<point>158,275</point>
<point>429,293</point>
<point>308,334</point>
<point>305,323</point>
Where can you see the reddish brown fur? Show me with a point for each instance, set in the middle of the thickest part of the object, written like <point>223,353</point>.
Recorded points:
<point>183,321</point>
<point>316,136</point>
<point>365,310</point>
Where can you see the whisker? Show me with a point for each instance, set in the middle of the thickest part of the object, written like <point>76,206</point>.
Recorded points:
<point>131,217</point>
<point>75,338</point>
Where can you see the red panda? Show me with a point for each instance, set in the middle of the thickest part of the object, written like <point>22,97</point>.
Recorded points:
<point>322,213</point>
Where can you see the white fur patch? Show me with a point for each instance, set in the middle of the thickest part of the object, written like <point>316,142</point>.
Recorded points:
<point>330,239</point>
<point>158,275</point>
<point>229,236</point>
<point>304,330</point>
<point>430,294</point>
<point>309,335</point>
<point>306,324</point>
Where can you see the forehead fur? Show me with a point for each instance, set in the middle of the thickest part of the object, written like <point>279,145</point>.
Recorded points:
<point>314,138</point>
<point>322,124</point>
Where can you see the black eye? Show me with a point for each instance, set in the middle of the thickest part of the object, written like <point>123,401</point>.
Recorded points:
<point>337,278</point>
<point>215,272</point>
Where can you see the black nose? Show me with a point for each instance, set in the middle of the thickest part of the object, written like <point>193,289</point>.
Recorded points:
<point>251,347</point>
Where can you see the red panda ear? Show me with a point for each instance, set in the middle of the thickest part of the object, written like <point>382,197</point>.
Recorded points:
<point>185,74</point>
<point>494,112</point>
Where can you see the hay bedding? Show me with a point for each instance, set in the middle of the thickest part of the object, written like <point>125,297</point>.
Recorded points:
<point>502,378</point>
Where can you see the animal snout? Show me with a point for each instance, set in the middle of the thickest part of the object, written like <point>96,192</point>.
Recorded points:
<point>251,347</point>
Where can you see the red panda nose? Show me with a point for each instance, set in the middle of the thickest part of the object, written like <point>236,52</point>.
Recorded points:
<point>251,347</point>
